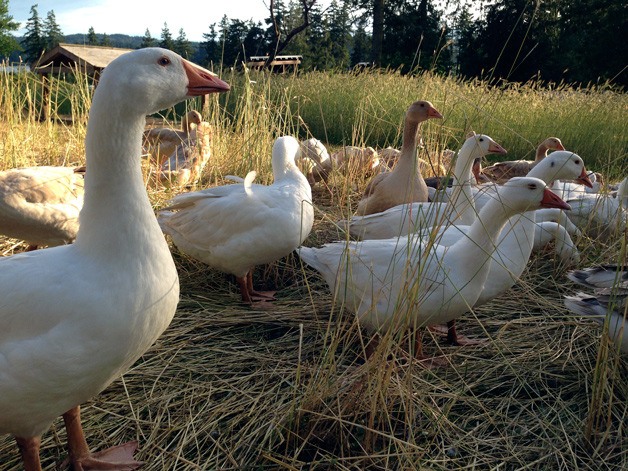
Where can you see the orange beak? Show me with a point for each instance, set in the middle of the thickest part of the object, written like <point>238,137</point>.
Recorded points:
<point>434,113</point>
<point>559,146</point>
<point>202,81</point>
<point>495,148</point>
<point>552,200</point>
<point>584,179</point>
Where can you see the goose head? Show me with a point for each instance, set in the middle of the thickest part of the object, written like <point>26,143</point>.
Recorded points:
<point>156,77</point>
<point>479,145</point>
<point>422,110</point>
<point>551,143</point>
<point>521,194</point>
<point>285,150</point>
<point>561,165</point>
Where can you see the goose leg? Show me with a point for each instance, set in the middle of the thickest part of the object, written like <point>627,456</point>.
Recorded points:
<point>29,449</point>
<point>258,295</point>
<point>119,458</point>
<point>453,338</point>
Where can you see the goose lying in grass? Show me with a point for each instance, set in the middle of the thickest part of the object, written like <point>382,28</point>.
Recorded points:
<point>314,160</point>
<point>162,142</point>
<point>600,215</point>
<point>354,160</point>
<point>503,171</point>
<point>405,283</point>
<point>609,303</point>
<point>185,165</point>
<point>408,218</point>
<point>258,224</point>
<point>76,317</point>
<point>40,205</point>
<point>404,183</point>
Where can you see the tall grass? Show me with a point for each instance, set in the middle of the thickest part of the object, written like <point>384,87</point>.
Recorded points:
<point>230,387</point>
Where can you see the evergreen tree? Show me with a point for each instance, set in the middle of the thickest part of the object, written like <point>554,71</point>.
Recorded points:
<point>182,46</point>
<point>360,43</point>
<point>92,39</point>
<point>339,34</point>
<point>147,40</point>
<point>8,43</point>
<point>105,41</point>
<point>166,38</point>
<point>210,47</point>
<point>34,41</point>
<point>52,31</point>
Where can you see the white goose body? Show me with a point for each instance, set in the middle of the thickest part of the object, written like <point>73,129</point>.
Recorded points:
<point>409,218</point>
<point>75,317</point>
<point>516,240</point>
<point>258,223</point>
<point>40,205</point>
<point>406,283</point>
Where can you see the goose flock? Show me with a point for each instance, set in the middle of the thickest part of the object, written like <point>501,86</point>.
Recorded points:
<point>77,315</point>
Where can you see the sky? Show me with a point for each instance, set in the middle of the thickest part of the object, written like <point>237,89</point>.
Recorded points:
<point>132,17</point>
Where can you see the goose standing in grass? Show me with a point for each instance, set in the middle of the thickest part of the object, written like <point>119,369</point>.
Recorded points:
<point>405,283</point>
<point>409,218</point>
<point>76,317</point>
<point>609,303</point>
<point>404,183</point>
<point>503,171</point>
<point>162,142</point>
<point>40,205</point>
<point>258,224</point>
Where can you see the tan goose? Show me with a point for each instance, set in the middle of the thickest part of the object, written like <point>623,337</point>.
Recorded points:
<point>503,171</point>
<point>162,142</point>
<point>40,205</point>
<point>404,184</point>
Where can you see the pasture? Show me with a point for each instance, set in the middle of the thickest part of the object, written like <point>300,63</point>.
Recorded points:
<point>233,387</point>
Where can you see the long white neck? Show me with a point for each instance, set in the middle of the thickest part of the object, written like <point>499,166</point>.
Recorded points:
<point>117,216</point>
<point>461,197</point>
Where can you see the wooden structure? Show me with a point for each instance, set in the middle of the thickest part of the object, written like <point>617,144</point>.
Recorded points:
<point>279,64</point>
<point>70,59</point>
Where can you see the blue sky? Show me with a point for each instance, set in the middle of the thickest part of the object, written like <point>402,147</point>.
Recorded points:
<point>134,16</point>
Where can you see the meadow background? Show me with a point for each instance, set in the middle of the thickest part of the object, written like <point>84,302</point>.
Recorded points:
<point>231,387</point>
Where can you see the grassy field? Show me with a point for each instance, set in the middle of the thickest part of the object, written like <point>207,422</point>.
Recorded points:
<point>230,387</point>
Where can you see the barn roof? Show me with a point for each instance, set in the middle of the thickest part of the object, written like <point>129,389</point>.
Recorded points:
<point>67,57</point>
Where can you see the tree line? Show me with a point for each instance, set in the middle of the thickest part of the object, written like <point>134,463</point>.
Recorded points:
<point>514,40</point>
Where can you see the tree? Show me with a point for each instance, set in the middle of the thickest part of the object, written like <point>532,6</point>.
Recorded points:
<point>339,34</point>
<point>280,38</point>
<point>147,40</point>
<point>360,43</point>
<point>210,47</point>
<point>92,39</point>
<point>34,41</point>
<point>8,43</point>
<point>182,46</point>
<point>166,38</point>
<point>52,31</point>
<point>105,41</point>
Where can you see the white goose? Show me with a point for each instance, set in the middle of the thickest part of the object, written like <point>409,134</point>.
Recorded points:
<point>520,233</point>
<point>258,224</point>
<point>76,317</point>
<point>404,283</point>
<point>609,302</point>
<point>40,205</point>
<point>408,218</point>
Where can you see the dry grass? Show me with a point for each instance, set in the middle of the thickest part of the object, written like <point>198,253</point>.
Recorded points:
<point>230,387</point>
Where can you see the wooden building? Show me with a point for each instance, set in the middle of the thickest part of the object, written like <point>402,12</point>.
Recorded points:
<point>66,59</point>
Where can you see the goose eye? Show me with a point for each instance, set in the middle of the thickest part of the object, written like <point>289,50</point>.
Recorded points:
<point>481,139</point>
<point>532,186</point>
<point>577,162</point>
<point>552,164</point>
<point>163,61</point>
